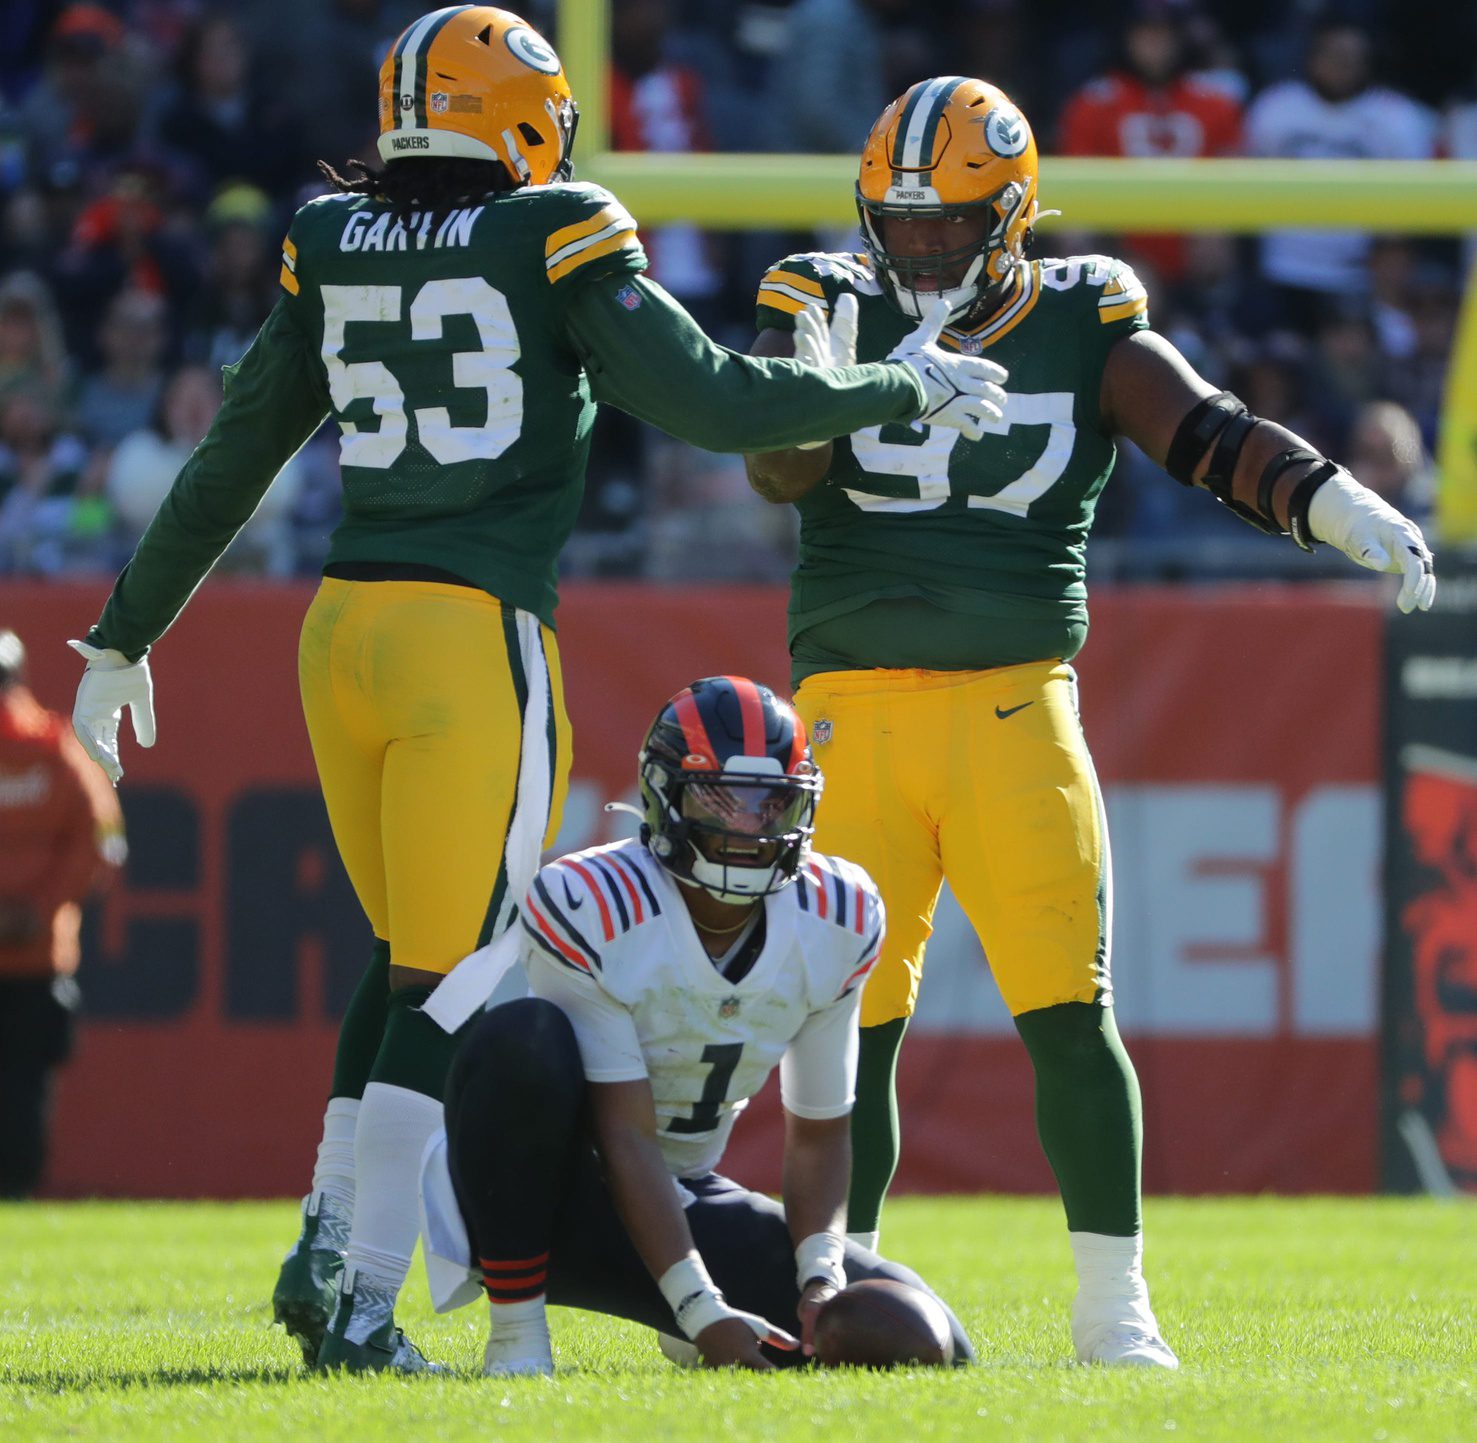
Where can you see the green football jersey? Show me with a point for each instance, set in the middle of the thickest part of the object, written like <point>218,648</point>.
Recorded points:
<point>923,549</point>
<point>465,414</point>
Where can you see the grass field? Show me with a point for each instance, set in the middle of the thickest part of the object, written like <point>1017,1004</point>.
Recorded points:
<point>1293,1320</point>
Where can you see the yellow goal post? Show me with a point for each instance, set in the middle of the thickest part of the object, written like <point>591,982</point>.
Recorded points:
<point>787,192</point>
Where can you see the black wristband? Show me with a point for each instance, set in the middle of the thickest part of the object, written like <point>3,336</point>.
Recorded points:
<point>1272,472</point>
<point>1301,498</point>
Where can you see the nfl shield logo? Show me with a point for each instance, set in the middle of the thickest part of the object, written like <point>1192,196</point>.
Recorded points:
<point>629,297</point>
<point>971,345</point>
<point>729,1007</point>
<point>820,733</point>
<point>440,102</point>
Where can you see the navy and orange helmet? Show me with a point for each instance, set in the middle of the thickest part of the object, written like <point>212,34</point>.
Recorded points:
<point>729,788</point>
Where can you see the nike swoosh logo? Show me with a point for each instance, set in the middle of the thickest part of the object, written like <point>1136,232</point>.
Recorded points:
<point>1011,711</point>
<point>575,903</point>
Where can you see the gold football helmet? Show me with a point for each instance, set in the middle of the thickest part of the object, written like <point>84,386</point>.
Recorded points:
<point>480,83</point>
<point>949,146</point>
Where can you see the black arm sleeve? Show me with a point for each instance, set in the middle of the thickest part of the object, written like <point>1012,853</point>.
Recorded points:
<point>275,398</point>
<point>657,363</point>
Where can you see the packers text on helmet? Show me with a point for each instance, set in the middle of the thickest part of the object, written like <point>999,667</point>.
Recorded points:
<point>479,83</point>
<point>950,146</point>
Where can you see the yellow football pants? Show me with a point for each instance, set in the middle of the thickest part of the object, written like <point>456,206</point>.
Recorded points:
<point>982,777</point>
<point>416,696</point>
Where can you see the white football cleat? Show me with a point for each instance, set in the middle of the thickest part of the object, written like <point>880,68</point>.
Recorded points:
<point>1124,1345</point>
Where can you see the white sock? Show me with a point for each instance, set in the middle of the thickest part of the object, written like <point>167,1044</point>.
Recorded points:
<point>333,1173</point>
<point>866,1240</point>
<point>519,1334</point>
<point>394,1126</point>
<point>1110,1280</point>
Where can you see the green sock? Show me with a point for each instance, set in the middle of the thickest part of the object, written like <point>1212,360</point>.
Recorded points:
<point>415,1054</point>
<point>875,1138</point>
<point>1087,1113</point>
<point>363,1027</point>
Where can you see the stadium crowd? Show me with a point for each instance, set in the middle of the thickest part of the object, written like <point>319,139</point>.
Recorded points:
<point>152,152</point>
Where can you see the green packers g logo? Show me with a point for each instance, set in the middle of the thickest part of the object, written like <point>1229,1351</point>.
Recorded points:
<point>1006,132</point>
<point>533,50</point>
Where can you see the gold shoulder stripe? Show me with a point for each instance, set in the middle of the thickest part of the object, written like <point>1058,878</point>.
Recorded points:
<point>289,282</point>
<point>605,217</point>
<point>796,281</point>
<point>593,250</point>
<point>1004,321</point>
<point>771,291</point>
<point>289,248</point>
<point>1135,306</point>
<point>778,299</point>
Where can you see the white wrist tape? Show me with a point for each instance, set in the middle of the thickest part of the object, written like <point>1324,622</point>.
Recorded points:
<point>821,1258</point>
<point>694,1300</point>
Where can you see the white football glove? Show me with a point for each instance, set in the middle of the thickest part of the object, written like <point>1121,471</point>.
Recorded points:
<point>826,344</point>
<point>110,683</point>
<point>961,392</point>
<point>1373,533</point>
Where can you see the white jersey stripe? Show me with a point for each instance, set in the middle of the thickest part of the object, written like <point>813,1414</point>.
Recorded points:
<point>408,60</point>
<point>918,125</point>
<point>585,242</point>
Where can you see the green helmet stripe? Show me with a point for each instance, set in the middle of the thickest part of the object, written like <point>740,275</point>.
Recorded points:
<point>439,21</point>
<point>918,128</point>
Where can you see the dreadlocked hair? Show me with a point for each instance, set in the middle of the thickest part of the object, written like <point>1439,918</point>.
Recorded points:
<point>424,183</point>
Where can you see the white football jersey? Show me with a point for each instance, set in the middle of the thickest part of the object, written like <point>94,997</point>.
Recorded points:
<point>607,938</point>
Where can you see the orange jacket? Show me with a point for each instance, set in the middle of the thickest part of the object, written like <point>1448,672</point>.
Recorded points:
<point>61,835</point>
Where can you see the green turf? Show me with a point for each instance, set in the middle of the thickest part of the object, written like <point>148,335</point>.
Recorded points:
<point>1294,1319</point>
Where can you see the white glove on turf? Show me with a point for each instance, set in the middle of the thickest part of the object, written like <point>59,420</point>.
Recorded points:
<point>960,392</point>
<point>110,683</point>
<point>826,344</point>
<point>1373,533</point>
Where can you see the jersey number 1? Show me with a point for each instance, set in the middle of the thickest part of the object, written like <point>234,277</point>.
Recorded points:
<point>489,370</point>
<point>723,1058</point>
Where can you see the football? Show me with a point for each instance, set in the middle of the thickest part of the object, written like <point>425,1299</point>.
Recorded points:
<point>879,1323</point>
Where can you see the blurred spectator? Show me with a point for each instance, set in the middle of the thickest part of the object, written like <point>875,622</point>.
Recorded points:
<point>121,396</point>
<point>46,509</point>
<point>831,79</point>
<point>61,835</point>
<point>85,111</point>
<point>239,285</point>
<point>1346,368</point>
<point>223,123</point>
<point>329,57</point>
<point>1459,141</point>
<point>33,356</point>
<point>120,243</point>
<point>143,467</point>
<point>1151,105</point>
<point>1337,113</point>
<point>657,106</point>
<point>1386,453</point>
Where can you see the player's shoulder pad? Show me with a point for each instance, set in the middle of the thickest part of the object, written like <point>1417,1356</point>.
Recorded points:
<point>808,278</point>
<point>582,222</point>
<point>590,900</point>
<point>319,217</point>
<point>839,893</point>
<point>1104,284</point>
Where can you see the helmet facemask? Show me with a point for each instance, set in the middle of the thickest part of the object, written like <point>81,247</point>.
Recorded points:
<point>738,834</point>
<point>965,276</point>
